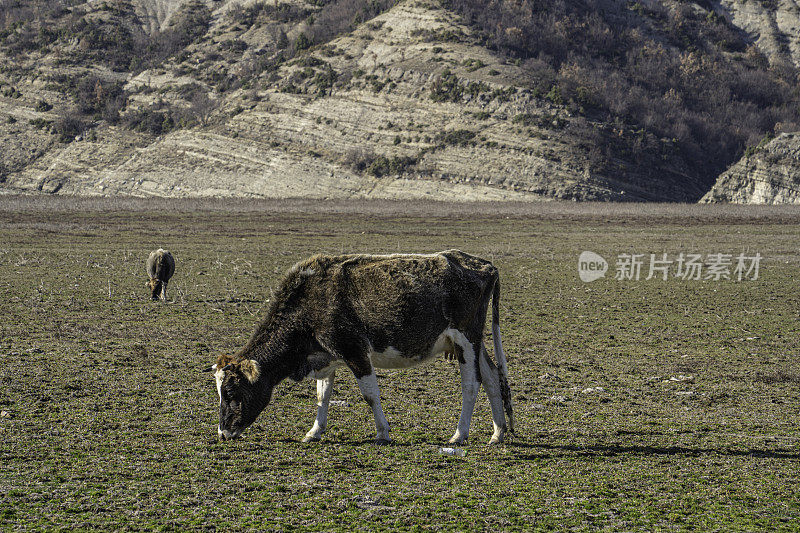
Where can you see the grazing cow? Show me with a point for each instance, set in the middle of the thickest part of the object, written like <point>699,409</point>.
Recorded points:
<point>160,268</point>
<point>367,311</point>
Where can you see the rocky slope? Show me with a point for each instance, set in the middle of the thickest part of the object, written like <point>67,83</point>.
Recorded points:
<point>774,25</point>
<point>409,103</point>
<point>769,174</point>
<point>155,15</point>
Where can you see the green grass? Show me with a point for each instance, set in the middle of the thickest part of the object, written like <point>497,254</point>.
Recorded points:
<point>111,424</point>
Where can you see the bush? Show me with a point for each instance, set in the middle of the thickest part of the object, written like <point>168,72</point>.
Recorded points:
<point>339,16</point>
<point>456,137</point>
<point>40,123</point>
<point>324,80</point>
<point>555,95</point>
<point>259,13</point>
<point>525,119</point>
<point>233,45</point>
<point>383,166</point>
<point>750,151</point>
<point>358,159</point>
<point>446,88</point>
<point>158,121</point>
<point>68,127</point>
<point>302,42</point>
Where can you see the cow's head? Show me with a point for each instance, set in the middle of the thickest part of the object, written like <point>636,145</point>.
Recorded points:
<point>155,287</point>
<point>243,394</point>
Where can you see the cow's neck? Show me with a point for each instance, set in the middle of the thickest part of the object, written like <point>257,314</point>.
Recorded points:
<point>281,349</point>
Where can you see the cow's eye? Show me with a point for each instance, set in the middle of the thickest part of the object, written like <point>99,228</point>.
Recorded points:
<point>230,396</point>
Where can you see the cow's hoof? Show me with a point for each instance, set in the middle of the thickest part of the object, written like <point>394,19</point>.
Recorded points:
<point>312,438</point>
<point>383,442</point>
<point>456,439</point>
<point>495,440</point>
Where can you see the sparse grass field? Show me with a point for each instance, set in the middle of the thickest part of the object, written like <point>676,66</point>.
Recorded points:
<point>108,422</point>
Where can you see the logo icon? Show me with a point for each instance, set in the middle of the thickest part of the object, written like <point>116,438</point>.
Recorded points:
<point>591,266</point>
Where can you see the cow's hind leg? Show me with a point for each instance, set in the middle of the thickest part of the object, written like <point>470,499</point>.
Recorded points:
<point>469,389</point>
<point>491,382</point>
<point>324,389</point>
<point>372,395</point>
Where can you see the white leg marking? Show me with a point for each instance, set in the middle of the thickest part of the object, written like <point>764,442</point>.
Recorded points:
<point>469,388</point>
<point>372,395</point>
<point>324,389</point>
<point>491,382</point>
<point>502,367</point>
<point>164,291</point>
<point>219,375</point>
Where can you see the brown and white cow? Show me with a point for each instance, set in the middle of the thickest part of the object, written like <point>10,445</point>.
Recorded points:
<point>364,312</point>
<point>160,268</point>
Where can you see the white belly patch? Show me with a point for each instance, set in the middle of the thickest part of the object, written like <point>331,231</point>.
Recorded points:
<point>391,357</point>
<point>325,373</point>
<point>448,343</point>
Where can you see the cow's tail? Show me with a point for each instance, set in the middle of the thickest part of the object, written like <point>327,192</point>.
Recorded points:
<point>502,367</point>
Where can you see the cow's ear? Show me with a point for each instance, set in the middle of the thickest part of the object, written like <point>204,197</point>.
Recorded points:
<point>222,361</point>
<point>250,369</point>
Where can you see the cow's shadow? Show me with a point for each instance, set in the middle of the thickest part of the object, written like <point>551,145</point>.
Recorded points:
<point>527,451</point>
<point>600,450</point>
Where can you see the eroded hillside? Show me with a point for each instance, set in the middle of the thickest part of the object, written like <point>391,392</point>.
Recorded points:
<point>356,99</point>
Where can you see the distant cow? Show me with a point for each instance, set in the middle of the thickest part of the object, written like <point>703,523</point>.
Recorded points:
<point>366,311</point>
<point>160,268</point>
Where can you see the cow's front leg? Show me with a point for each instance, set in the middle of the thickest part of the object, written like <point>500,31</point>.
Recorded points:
<point>354,350</point>
<point>469,390</point>
<point>164,291</point>
<point>324,389</point>
<point>372,395</point>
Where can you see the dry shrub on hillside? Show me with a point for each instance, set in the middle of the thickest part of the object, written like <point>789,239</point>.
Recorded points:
<point>673,71</point>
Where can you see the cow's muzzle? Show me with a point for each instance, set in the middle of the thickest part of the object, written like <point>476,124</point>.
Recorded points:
<point>226,434</point>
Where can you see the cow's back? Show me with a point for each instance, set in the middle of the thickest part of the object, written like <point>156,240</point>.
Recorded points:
<point>385,278</point>
<point>160,265</point>
<point>386,296</point>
